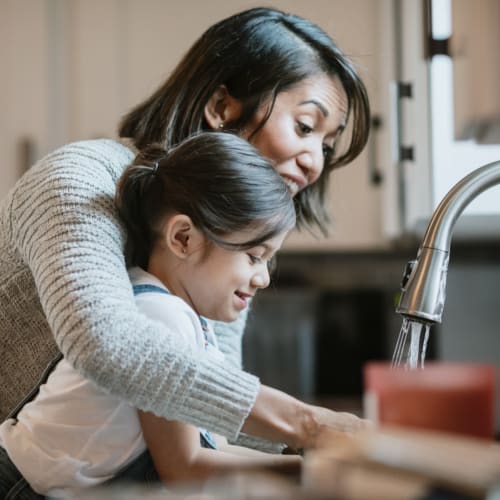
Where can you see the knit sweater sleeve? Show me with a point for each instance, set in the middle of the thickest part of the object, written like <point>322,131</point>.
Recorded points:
<point>65,227</point>
<point>229,338</point>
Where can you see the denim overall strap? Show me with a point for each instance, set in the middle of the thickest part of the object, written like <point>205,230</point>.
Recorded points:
<point>138,289</point>
<point>204,329</point>
<point>206,438</point>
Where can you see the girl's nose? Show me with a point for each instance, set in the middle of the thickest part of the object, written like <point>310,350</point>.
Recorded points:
<point>261,278</point>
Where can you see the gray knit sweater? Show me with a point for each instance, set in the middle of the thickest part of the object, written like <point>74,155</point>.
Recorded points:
<point>64,286</point>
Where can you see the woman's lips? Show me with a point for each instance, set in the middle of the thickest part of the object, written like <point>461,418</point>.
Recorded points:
<point>295,184</point>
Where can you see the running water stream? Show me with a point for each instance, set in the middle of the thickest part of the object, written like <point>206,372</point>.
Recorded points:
<point>410,349</point>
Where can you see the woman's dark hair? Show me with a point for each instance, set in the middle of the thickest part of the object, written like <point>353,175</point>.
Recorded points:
<point>219,180</point>
<point>256,54</point>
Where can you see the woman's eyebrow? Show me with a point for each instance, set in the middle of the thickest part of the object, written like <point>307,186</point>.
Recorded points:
<point>320,106</point>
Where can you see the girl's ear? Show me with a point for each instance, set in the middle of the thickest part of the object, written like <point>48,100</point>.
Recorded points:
<point>221,108</point>
<point>181,236</point>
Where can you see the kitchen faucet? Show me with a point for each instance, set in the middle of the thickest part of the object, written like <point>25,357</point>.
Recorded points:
<point>424,281</point>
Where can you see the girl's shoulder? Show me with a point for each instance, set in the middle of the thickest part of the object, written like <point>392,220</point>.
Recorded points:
<point>155,301</point>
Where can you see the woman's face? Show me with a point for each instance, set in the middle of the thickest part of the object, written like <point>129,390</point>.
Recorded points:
<point>303,126</point>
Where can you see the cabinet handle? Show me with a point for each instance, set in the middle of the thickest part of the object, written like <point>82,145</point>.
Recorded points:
<point>399,152</point>
<point>376,176</point>
<point>404,91</point>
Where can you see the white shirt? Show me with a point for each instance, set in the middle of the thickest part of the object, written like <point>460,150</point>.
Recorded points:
<point>73,434</point>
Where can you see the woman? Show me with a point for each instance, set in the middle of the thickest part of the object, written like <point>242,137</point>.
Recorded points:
<point>276,80</point>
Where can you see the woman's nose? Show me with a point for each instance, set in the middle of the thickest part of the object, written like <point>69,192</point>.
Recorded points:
<point>311,164</point>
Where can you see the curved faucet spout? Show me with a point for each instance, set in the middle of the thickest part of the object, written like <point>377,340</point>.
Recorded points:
<point>424,282</point>
<point>440,228</point>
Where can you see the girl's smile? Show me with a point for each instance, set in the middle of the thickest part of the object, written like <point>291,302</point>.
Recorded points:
<point>219,283</point>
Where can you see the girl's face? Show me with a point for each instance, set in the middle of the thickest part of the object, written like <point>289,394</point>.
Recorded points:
<point>303,126</point>
<point>218,282</point>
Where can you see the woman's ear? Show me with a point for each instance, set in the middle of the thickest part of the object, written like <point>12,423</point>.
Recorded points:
<point>181,236</point>
<point>222,108</point>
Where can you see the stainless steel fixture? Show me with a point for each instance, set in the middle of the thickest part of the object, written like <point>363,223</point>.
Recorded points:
<point>424,280</point>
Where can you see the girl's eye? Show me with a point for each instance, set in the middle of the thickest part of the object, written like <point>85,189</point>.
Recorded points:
<point>304,128</point>
<point>254,259</point>
<point>271,264</point>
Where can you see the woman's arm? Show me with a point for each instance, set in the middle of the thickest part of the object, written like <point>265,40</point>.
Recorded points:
<point>178,456</point>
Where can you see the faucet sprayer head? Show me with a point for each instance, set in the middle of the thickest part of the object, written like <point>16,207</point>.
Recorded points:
<point>423,286</point>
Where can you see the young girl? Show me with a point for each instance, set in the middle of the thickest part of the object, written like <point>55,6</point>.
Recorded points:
<point>203,224</point>
<point>283,85</point>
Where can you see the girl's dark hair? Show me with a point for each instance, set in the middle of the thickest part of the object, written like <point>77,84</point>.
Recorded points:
<point>219,180</point>
<point>256,54</point>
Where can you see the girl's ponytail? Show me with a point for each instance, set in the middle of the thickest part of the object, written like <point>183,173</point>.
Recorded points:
<point>135,190</point>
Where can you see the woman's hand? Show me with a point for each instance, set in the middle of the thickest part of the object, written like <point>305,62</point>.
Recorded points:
<point>329,422</point>
<point>281,418</point>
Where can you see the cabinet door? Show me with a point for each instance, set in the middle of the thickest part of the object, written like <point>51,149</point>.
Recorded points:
<point>410,118</point>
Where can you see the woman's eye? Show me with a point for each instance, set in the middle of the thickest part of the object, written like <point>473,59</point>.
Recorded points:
<point>304,128</point>
<point>327,152</point>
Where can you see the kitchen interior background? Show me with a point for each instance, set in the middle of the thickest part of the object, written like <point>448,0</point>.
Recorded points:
<point>71,68</point>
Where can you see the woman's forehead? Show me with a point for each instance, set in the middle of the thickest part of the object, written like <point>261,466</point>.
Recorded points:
<point>322,94</point>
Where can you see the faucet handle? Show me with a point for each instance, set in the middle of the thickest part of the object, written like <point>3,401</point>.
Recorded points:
<point>423,286</point>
